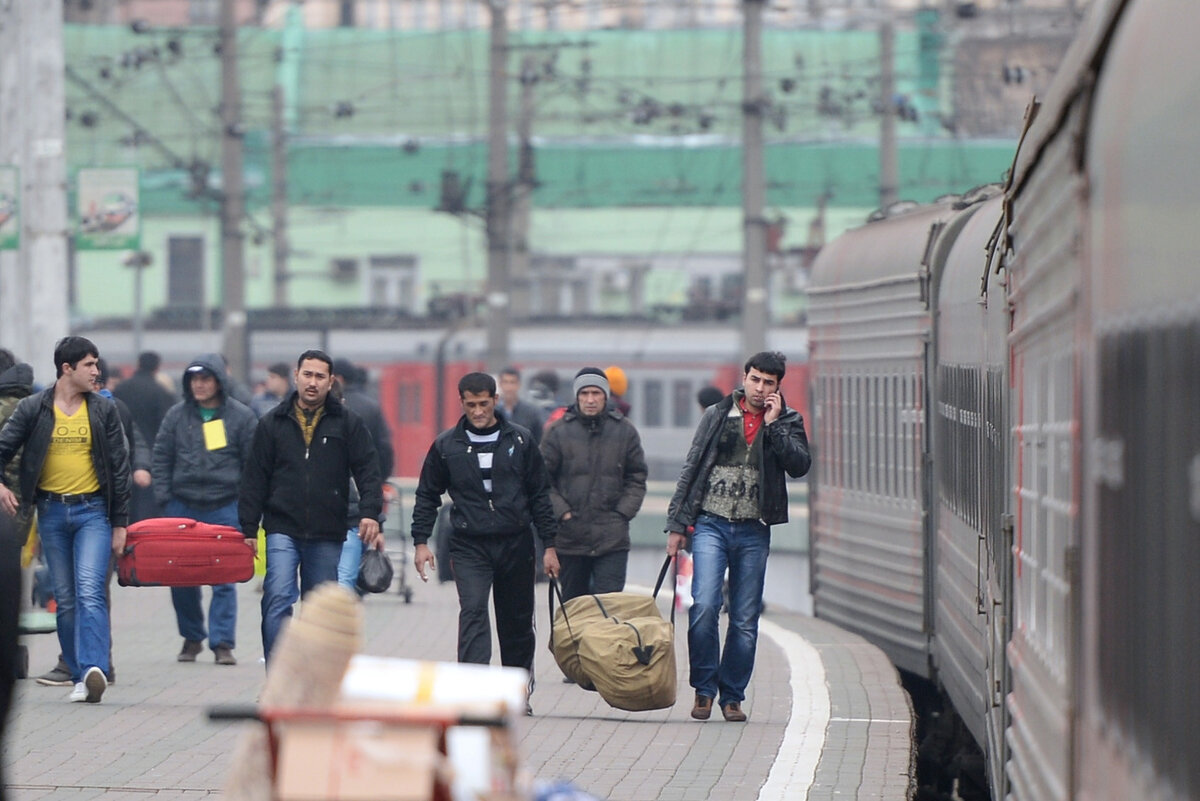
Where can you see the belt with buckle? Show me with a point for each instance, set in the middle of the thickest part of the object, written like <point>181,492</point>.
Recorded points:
<point>70,499</point>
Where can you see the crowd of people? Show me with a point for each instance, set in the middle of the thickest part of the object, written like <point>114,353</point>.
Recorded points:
<point>534,484</point>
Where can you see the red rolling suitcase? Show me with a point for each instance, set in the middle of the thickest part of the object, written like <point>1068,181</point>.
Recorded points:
<point>180,552</point>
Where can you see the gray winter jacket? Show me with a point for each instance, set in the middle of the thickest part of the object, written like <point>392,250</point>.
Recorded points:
<point>597,473</point>
<point>184,469</point>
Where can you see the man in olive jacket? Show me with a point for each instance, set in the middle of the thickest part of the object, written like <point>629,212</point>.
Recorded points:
<point>597,484</point>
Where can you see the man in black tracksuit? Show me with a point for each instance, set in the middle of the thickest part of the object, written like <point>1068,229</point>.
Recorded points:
<point>296,483</point>
<point>497,480</point>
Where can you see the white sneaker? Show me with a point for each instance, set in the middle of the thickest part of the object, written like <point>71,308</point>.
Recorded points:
<point>94,684</point>
<point>79,694</point>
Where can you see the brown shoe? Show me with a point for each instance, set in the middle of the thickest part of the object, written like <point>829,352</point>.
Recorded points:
<point>224,655</point>
<point>702,708</point>
<point>189,650</point>
<point>733,713</point>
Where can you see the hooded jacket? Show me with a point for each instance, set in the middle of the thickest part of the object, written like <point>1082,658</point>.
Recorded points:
<point>15,383</point>
<point>784,450</point>
<point>184,469</point>
<point>520,489</point>
<point>31,425</point>
<point>597,473</point>
<point>302,490</point>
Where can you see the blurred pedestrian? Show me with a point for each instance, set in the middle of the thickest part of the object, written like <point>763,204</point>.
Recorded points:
<point>148,401</point>
<point>277,387</point>
<point>350,387</point>
<point>521,412</point>
<point>707,396</point>
<point>618,385</point>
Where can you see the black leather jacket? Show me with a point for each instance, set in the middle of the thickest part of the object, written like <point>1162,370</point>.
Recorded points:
<point>31,425</point>
<point>785,450</point>
<point>520,486</point>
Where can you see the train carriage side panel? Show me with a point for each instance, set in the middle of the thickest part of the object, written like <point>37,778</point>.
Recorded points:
<point>968,442</point>
<point>1140,717</point>
<point>869,326</point>
<point>1045,229</point>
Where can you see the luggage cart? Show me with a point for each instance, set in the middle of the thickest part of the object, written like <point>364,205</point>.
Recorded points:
<point>397,539</point>
<point>281,723</point>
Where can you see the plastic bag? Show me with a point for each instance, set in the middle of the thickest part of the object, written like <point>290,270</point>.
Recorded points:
<point>683,581</point>
<point>374,571</point>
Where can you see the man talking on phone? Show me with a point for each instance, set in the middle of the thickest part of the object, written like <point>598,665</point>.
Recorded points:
<point>732,489</point>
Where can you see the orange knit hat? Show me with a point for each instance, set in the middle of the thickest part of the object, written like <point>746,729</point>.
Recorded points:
<point>616,379</point>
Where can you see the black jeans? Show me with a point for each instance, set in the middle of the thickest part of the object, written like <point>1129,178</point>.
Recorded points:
<point>504,566</point>
<point>584,575</point>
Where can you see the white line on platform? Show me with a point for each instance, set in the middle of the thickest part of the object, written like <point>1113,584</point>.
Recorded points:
<point>796,761</point>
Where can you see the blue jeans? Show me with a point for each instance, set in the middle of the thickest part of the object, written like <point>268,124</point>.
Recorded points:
<point>352,554</point>
<point>222,610</point>
<point>741,546</point>
<point>77,542</point>
<point>315,560</point>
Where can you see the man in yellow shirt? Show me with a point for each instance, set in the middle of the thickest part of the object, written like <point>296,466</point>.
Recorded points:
<point>75,467</point>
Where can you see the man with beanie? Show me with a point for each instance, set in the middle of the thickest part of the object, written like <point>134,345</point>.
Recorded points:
<point>497,480</point>
<point>597,483</point>
<point>732,489</point>
<point>199,454</point>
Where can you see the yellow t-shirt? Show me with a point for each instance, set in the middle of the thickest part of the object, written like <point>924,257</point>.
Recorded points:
<point>68,469</point>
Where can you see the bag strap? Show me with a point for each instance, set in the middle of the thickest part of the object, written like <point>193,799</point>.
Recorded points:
<point>552,591</point>
<point>662,574</point>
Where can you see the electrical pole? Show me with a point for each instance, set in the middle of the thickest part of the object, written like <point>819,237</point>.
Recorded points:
<point>34,307</point>
<point>889,183</point>
<point>279,207</point>
<point>233,291</point>
<point>754,224</point>
<point>519,279</point>
<point>499,207</point>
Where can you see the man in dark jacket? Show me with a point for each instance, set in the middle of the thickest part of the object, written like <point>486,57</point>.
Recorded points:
<point>199,454</point>
<point>76,466</point>
<point>597,483</point>
<point>16,382</point>
<point>295,483</point>
<point>497,480</point>
<point>149,402</point>
<point>732,489</point>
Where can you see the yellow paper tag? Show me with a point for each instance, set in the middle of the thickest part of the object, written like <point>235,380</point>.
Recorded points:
<point>214,435</point>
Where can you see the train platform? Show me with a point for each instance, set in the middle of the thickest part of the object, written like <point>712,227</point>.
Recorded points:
<point>828,718</point>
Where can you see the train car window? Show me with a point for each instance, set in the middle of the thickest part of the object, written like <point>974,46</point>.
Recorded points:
<point>408,397</point>
<point>652,403</point>
<point>682,403</point>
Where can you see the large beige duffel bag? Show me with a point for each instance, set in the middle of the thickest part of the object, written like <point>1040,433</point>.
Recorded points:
<point>618,644</point>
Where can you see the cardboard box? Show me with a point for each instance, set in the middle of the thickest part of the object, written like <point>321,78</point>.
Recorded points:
<point>357,761</point>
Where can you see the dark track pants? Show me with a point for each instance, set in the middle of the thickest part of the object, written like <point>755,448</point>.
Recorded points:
<point>504,566</point>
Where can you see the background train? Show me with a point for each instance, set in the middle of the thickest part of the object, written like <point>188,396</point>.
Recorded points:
<point>1006,485</point>
<point>416,370</point>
